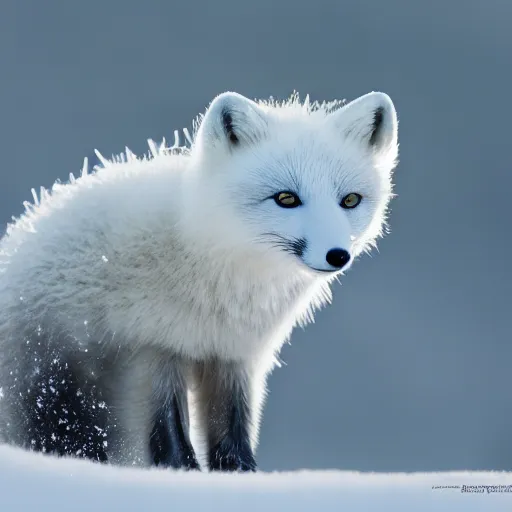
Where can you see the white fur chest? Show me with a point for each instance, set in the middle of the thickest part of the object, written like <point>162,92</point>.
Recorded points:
<point>201,308</point>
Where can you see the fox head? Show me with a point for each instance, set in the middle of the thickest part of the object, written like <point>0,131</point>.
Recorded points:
<point>305,184</point>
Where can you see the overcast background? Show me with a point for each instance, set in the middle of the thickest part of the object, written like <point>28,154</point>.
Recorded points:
<point>409,369</point>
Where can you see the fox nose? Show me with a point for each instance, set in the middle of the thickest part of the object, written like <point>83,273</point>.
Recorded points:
<point>337,257</point>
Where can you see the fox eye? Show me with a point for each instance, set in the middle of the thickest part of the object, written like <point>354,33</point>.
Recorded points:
<point>351,200</point>
<point>287,199</point>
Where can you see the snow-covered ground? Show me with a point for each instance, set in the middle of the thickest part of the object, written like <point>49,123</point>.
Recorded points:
<point>34,482</point>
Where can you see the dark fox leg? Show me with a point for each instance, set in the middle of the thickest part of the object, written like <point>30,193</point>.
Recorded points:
<point>170,443</point>
<point>224,396</point>
<point>48,404</point>
<point>64,418</point>
<point>149,401</point>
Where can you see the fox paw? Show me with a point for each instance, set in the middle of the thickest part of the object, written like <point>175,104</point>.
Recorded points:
<point>226,456</point>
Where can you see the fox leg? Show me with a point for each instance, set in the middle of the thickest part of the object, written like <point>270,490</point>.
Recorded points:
<point>225,403</point>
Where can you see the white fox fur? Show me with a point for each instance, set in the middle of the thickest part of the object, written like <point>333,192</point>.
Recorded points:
<point>183,254</point>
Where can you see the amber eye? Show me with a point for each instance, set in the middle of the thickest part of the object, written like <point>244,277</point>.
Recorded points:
<point>351,200</point>
<point>287,199</point>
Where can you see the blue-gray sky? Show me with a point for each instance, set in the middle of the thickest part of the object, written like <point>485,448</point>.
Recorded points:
<point>409,369</point>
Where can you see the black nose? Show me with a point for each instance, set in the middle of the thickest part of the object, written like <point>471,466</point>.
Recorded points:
<point>337,258</point>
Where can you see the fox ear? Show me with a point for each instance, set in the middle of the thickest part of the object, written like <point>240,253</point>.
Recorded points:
<point>231,121</point>
<point>370,120</point>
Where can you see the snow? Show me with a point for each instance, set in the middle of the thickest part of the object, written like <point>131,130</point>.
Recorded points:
<point>30,481</point>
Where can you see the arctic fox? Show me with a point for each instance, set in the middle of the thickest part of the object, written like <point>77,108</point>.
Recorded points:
<point>179,275</point>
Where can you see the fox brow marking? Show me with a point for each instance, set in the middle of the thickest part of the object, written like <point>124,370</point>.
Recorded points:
<point>282,177</point>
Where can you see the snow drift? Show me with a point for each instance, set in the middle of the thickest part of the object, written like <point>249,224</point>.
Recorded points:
<point>30,481</point>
